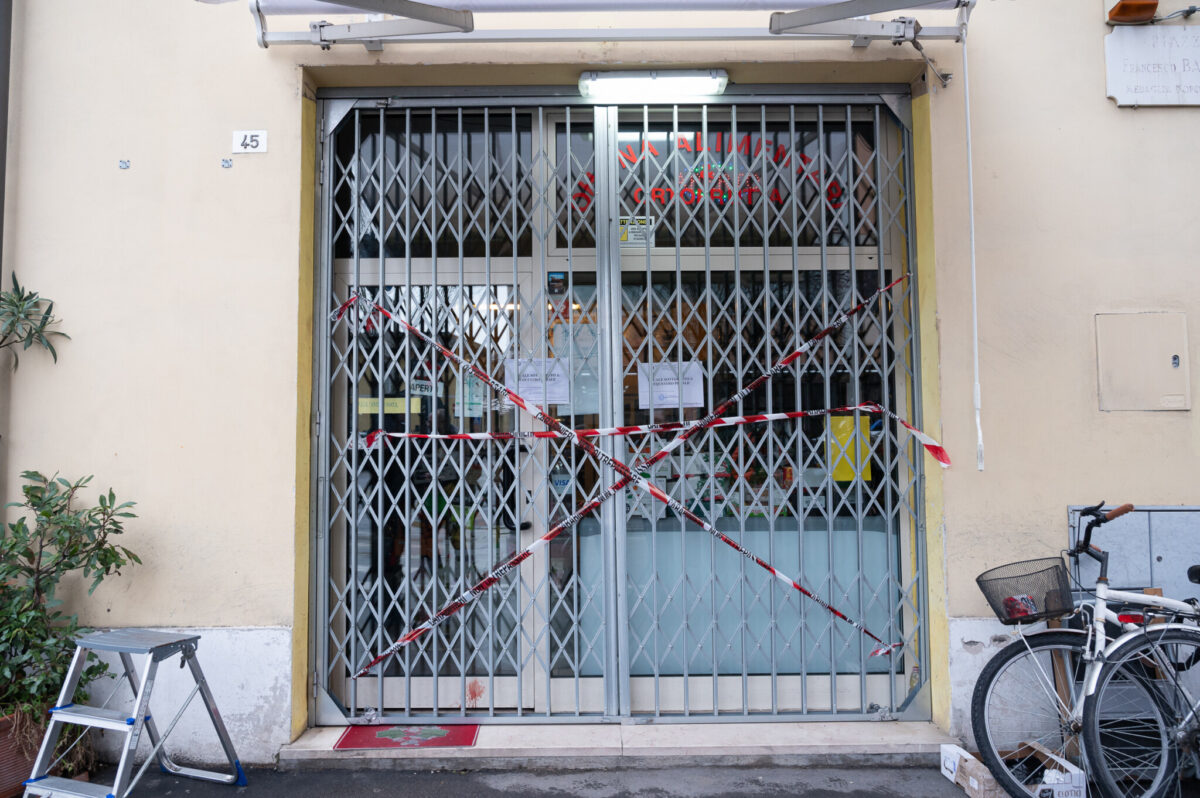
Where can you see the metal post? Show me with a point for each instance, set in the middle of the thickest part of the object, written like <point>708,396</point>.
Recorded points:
<point>5,61</point>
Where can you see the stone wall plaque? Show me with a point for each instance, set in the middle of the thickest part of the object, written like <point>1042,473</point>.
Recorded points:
<point>1153,64</point>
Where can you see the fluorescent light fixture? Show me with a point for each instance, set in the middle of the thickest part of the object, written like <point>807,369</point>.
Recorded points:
<point>652,84</point>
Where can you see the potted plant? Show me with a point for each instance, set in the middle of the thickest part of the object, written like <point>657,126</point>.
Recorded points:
<point>56,536</point>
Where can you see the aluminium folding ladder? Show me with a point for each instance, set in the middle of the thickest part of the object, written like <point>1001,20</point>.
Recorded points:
<point>157,646</point>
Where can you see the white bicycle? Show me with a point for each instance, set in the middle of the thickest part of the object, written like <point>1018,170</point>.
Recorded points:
<point>1078,694</point>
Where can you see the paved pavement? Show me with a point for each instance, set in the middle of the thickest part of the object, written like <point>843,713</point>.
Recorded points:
<point>701,782</point>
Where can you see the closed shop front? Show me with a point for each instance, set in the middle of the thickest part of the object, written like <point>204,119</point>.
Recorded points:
<point>619,265</point>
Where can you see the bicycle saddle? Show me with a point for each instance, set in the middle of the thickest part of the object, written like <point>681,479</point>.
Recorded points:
<point>1194,574</point>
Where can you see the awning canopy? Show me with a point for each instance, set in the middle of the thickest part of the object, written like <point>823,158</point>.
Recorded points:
<point>538,6</point>
<point>454,20</point>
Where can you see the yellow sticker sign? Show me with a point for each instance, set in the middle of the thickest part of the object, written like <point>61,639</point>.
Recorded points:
<point>636,231</point>
<point>369,405</point>
<point>846,465</point>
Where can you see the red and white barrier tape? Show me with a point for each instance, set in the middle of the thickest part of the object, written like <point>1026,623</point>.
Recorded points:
<point>935,449</point>
<point>628,475</point>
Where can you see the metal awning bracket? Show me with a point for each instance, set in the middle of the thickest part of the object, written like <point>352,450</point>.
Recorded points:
<point>315,34</point>
<point>260,23</point>
<point>899,31</point>
<point>908,33</point>
<point>462,21</point>
<point>371,34</point>
<point>943,77</point>
<point>807,18</point>
<point>415,19</point>
<point>862,32</point>
<point>831,19</point>
<point>964,17</point>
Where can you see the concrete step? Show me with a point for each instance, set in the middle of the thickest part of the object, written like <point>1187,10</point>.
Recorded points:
<point>639,745</point>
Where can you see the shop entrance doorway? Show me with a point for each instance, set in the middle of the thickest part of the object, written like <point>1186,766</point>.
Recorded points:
<point>619,266</point>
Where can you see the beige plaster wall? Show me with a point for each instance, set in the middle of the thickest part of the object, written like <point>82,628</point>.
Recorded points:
<point>177,282</point>
<point>1081,208</point>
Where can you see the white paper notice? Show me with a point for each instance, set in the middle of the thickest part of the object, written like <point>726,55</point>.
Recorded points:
<point>585,362</point>
<point>1154,64</point>
<point>636,231</point>
<point>670,385</point>
<point>418,387</point>
<point>470,406</point>
<point>536,373</point>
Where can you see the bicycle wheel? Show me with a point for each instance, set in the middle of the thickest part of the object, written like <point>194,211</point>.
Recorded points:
<point>1023,706</point>
<point>1140,725</point>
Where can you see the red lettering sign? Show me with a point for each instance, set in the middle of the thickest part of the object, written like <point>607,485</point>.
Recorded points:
<point>719,183</point>
<point>587,192</point>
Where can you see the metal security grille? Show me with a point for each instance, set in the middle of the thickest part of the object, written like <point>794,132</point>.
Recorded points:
<point>619,266</point>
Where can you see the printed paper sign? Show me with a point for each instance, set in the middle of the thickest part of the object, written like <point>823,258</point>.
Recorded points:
<point>369,405</point>
<point>585,363</point>
<point>637,231</point>
<point>541,380</point>
<point>475,391</point>
<point>420,388</point>
<point>670,385</point>
<point>1153,64</point>
<point>846,465</point>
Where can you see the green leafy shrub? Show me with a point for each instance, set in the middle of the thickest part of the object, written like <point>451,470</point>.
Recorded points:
<point>25,319</point>
<point>53,538</point>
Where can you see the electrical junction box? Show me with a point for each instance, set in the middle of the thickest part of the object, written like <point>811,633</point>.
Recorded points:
<point>1142,361</point>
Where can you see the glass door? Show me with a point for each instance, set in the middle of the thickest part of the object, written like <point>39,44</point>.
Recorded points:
<point>742,231</point>
<point>461,223</point>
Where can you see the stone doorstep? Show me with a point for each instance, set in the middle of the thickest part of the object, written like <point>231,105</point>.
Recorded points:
<point>585,746</point>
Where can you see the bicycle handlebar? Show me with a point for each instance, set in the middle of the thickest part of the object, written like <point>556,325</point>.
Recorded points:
<point>1117,513</point>
<point>1084,546</point>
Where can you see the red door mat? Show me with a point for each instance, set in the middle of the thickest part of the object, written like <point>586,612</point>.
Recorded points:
<point>406,737</point>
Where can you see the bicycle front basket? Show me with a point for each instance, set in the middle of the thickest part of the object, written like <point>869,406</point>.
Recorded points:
<point>1028,591</point>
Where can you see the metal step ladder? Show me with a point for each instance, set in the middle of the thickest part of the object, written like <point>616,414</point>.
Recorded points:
<point>157,646</point>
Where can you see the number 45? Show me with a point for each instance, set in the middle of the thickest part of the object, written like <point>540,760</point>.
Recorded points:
<point>250,141</point>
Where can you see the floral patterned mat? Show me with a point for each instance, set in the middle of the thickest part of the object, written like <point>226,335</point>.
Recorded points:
<point>406,737</point>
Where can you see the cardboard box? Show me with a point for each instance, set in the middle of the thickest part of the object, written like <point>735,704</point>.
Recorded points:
<point>969,773</point>
<point>951,755</point>
<point>1060,779</point>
